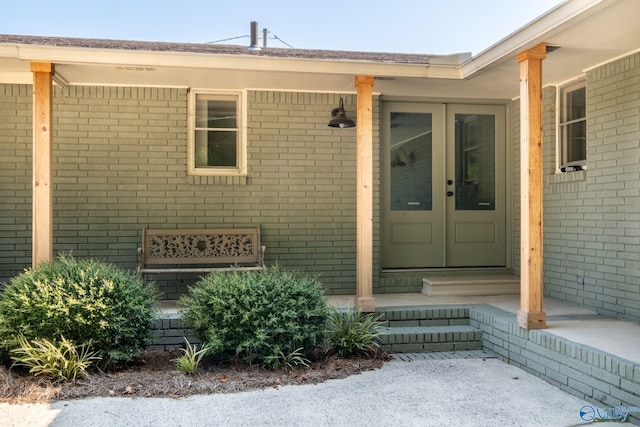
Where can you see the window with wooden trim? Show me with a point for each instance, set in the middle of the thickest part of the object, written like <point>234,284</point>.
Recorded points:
<point>572,127</point>
<point>217,136</point>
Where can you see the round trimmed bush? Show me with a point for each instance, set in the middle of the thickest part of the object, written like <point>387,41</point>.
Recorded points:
<point>84,301</point>
<point>257,315</point>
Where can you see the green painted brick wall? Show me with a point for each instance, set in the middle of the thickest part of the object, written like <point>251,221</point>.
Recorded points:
<point>120,165</point>
<point>15,178</point>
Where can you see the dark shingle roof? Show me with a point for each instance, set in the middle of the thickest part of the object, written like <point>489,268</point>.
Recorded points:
<point>216,49</point>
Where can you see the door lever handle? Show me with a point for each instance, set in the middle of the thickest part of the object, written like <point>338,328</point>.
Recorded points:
<point>449,193</point>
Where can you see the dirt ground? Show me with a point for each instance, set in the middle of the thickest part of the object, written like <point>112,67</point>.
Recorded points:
<point>156,376</point>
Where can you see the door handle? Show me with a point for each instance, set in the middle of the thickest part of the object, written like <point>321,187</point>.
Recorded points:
<point>449,193</point>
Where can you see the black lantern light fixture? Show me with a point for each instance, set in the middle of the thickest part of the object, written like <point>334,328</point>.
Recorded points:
<point>339,118</point>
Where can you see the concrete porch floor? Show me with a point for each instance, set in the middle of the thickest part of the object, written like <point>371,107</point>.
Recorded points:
<point>617,337</point>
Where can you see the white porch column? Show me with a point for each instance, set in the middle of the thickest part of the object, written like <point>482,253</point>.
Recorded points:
<point>42,199</point>
<point>531,314</point>
<point>364,182</point>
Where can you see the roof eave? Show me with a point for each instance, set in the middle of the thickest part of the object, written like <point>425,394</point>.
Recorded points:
<point>97,56</point>
<point>506,49</point>
<point>529,35</point>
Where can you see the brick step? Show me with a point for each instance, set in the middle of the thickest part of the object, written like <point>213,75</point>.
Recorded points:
<point>444,355</point>
<point>471,286</point>
<point>446,315</point>
<point>417,339</point>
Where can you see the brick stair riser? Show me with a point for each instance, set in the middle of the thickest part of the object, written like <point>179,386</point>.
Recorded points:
<point>400,337</point>
<point>426,322</point>
<point>431,347</point>
<point>403,342</point>
<point>433,329</point>
<point>395,317</point>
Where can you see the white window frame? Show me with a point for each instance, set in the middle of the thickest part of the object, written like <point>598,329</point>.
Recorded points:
<point>562,91</point>
<point>241,162</point>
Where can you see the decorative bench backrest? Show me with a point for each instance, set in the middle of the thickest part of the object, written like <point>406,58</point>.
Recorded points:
<point>205,246</point>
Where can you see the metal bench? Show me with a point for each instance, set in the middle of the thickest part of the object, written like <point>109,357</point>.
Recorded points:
<point>200,251</point>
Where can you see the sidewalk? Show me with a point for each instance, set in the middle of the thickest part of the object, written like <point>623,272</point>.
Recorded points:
<point>453,392</point>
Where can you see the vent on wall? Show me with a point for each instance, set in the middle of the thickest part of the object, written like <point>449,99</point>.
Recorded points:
<point>551,48</point>
<point>132,68</point>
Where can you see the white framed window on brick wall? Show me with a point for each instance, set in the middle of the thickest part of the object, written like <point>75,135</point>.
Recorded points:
<point>572,126</point>
<point>217,133</point>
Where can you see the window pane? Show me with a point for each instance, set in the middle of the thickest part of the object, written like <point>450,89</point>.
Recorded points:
<point>576,138</point>
<point>215,113</point>
<point>576,104</point>
<point>411,162</point>
<point>215,148</point>
<point>573,127</point>
<point>475,162</point>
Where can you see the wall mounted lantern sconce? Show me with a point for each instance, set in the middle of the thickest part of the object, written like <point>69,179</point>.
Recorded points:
<point>339,118</point>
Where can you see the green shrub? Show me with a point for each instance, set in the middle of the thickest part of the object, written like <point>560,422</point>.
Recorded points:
<point>354,333</point>
<point>60,361</point>
<point>255,315</point>
<point>85,301</point>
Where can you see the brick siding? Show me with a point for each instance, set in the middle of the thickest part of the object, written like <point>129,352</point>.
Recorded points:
<point>15,179</point>
<point>120,158</point>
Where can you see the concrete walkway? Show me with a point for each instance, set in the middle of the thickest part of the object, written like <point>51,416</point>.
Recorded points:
<point>451,392</point>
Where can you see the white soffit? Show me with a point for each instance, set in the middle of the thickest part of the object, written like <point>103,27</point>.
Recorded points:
<point>588,32</point>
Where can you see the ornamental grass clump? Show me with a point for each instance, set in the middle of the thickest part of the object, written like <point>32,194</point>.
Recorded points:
<point>61,361</point>
<point>287,361</point>
<point>353,333</point>
<point>272,317</point>
<point>84,301</point>
<point>191,357</point>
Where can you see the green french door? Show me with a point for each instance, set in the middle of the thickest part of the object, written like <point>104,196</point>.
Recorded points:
<point>443,186</point>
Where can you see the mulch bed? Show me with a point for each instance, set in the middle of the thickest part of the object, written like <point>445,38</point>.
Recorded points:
<point>156,376</point>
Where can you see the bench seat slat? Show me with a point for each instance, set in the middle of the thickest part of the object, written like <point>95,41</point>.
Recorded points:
<point>198,270</point>
<point>204,250</point>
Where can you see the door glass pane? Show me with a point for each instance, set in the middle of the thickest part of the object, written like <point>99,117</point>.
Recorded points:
<point>475,162</point>
<point>411,162</point>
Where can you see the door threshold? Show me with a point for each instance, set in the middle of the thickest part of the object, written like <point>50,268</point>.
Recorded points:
<point>451,271</point>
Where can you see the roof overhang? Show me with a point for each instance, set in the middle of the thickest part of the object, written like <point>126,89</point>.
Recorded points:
<point>587,32</point>
<point>582,34</point>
